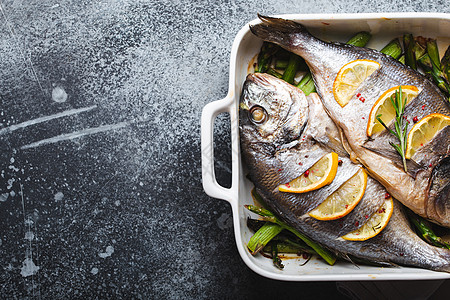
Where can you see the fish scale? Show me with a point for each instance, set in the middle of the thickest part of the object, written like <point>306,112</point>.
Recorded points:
<point>325,60</point>
<point>416,108</point>
<point>372,200</point>
<point>271,173</point>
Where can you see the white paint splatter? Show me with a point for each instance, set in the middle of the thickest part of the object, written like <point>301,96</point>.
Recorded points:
<point>28,268</point>
<point>29,235</point>
<point>76,134</point>
<point>11,167</point>
<point>94,271</point>
<point>10,183</point>
<point>107,253</point>
<point>117,203</point>
<point>59,196</point>
<point>45,119</point>
<point>4,197</point>
<point>59,94</point>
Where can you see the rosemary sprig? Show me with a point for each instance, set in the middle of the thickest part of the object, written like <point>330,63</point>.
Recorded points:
<point>401,125</point>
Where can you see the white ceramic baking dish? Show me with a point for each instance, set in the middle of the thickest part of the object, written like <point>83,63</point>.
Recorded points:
<point>333,27</point>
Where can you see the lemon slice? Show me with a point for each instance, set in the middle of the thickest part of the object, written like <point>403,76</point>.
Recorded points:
<point>424,131</point>
<point>374,225</point>
<point>383,106</point>
<point>343,200</point>
<point>350,76</point>
<point>319,175</point>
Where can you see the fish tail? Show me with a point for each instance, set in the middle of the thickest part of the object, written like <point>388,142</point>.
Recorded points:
<point>286,33</point>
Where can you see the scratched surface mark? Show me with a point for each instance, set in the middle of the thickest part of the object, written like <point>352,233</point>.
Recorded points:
<point>100,173</point>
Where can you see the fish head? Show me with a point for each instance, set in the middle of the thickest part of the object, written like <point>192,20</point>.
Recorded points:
<point>271,110</point>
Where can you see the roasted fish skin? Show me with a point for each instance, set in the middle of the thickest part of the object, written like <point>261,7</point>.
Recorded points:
<point>396,244</point>
<point>291,136</point>
<point>325,60</point>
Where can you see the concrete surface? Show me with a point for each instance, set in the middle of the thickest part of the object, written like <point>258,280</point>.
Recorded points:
<point>100,187</point>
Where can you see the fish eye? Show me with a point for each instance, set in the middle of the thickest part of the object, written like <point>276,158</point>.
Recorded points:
<point>258,115</point>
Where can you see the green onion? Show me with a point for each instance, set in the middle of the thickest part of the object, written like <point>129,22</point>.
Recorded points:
<point>264,235</point>
<point>393,48</point>
<point>329,257</point>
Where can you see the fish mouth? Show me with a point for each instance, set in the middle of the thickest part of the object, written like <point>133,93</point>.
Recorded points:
<point>439,191</point>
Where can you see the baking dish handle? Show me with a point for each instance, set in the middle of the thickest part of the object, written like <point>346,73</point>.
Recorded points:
<point>209,114</point>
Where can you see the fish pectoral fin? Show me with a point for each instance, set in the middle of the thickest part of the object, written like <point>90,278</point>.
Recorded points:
<point>289,145</point>
<point>412,166</point>
<point>304,216</point>
<point>332,145</point>
<point>350,259</point>
<point>356,261</point>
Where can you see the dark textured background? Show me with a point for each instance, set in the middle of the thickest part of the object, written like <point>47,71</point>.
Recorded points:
<point>103,199</point>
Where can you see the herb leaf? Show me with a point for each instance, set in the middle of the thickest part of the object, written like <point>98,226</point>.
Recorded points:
<point>400,124</point>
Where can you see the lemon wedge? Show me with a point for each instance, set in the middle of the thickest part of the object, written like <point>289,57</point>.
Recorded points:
<point>383,106</point>
<point>319,175</point>
<point>376,223</point>
<point>350,76</point>
<point>424,131</point>
<point>343,200</point>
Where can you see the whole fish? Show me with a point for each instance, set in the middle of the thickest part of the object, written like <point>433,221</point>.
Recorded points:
<point>282,133</point>
<point>425,188</point>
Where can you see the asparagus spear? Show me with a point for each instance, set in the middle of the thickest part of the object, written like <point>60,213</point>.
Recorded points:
<point>445,63</point>
<point>419,50</point>
<point>410,59</point>
<point>424,229</point>
<point>306,84</point>
<point>393,48</point>
<point>257,198</point>
<point>285,239</point>
<point>360,39</point>
<point>254,224</point>
<point>424,52</point>
<point>430,68</point>
<point>273,72</point>
<point>289,247</point>
<point>264,235</point>
<point>329,257</point>
<point>437,76</point>
<point>433,52</point>
<point>281,64</point>
<point>425,62</point>
<point>275,259</point>
<point>265,56</point>
<point>292,68</point>
<point>436,72</point>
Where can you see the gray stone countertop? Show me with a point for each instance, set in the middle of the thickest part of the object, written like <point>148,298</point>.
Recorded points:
<point>100,186</point>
